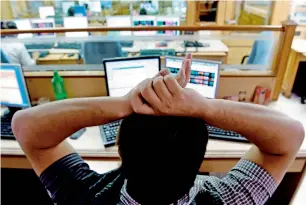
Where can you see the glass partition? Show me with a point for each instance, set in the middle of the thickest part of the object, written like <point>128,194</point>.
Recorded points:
<point>238,51</point>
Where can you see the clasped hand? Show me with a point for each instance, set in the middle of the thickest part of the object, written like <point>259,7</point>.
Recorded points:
<point>166,95</point>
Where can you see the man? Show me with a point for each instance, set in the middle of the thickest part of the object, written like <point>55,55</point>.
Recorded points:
<point>42,130</point>
<point>16,52</point>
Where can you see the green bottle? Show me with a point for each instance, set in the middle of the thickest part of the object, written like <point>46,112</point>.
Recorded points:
<point>58,86</point>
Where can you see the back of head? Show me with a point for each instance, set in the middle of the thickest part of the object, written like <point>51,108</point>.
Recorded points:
<point>161,156</point>
<point>8,25</point>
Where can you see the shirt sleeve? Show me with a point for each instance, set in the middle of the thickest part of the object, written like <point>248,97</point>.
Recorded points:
<point>246,183</point>
<point>69,180</point>
<point>25,58</point>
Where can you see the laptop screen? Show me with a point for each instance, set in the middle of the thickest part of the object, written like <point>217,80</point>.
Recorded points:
<point>122,75</point>
<point>204,76</point>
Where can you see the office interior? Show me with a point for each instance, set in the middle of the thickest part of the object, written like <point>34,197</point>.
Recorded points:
<point>256,44</point>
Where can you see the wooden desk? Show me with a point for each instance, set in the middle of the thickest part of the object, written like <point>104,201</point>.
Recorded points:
<point>220,156</point>
<point>297,55</point>
<point>59,59</point>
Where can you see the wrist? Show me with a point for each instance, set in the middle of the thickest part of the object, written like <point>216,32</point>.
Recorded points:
<point>126,107</point>
<point>205,109</point>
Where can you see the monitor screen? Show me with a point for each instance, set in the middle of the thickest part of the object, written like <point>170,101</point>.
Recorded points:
<point>119,21</point>
<point>144,21</point>
<point>76,22</point>
<point>95,5</point>
<point>204,76</point>
<point>43,23</point>
<point>13,88</point>
<point>45,11</point>
<point>124,74</point>
<point>24,24</point>
<point>167,21</point>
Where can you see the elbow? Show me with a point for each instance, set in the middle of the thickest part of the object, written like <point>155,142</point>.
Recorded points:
<point>21,126</point>
<point>297,136</point>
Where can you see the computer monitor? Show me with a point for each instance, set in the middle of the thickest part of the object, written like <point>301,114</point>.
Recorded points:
<point>168,21</point>
<point>43,23</point>
<point>123,74</point>
<point>66,6</point>
<point>94,6</point>
<point>144,21</point>
<point>204,76</point>
<point>14,91</point>
<point>45,11</point>
<point>76,22</point>
<point>24,24</point>
<point>120,21</point>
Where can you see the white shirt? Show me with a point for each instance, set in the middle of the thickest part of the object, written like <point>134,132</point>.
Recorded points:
<point>17,53</point>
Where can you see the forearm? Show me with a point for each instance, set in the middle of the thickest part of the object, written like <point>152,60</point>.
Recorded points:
<point>47,125</point>
<point>272,132</point>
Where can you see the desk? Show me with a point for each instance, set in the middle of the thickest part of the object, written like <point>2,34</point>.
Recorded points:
<point>59,59</point>
<point>297,55</point>
<point>216,51</point>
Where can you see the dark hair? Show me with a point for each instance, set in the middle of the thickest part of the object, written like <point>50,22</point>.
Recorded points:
<point>161,156</point>
<point>8,25</point>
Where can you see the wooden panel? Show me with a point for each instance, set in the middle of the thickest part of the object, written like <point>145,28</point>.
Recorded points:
<point>282,57</point>
<point>75,86</point>
<point>239,43</point>
<point>280,11</point>
<point>191,17</point>
<point>220,16</point>
<point>231,86</point>
<point>236,54</point>
<point>90,86</point>
<point>6,11</point>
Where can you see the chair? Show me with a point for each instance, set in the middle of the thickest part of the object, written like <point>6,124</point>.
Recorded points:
<point>95,52</point>
<point>4,58</point>
<point>261,50</point>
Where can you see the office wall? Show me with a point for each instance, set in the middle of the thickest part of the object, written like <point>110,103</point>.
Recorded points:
<point>6,11</point>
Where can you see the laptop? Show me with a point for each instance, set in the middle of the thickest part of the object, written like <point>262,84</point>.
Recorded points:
<point>14,96</point>
<point>204,78</point>
<point>121,76</point>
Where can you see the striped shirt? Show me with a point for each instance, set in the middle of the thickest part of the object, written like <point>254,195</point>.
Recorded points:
<point>70,181</point>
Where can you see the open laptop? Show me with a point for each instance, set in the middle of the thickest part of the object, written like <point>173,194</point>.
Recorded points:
<point>14,95</point>
<point>204,78</point>
<point>122,75</point>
